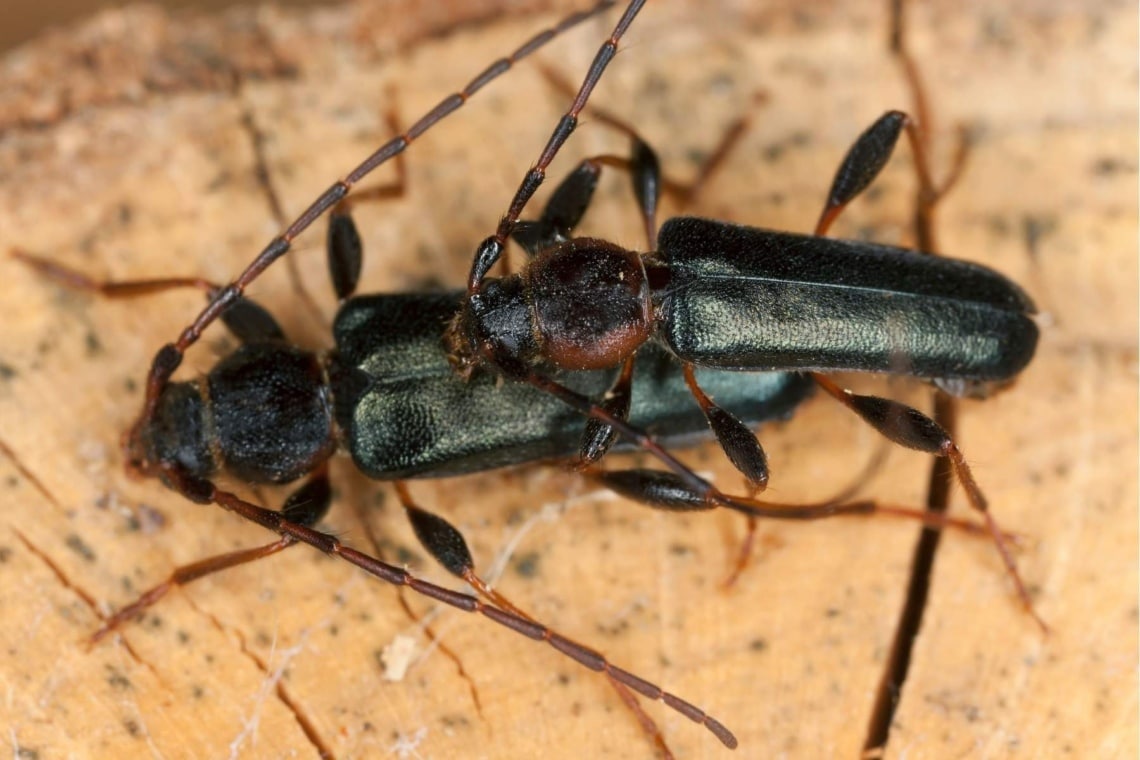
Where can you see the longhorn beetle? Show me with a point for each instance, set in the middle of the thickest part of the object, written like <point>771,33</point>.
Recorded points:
<point>722,295</point>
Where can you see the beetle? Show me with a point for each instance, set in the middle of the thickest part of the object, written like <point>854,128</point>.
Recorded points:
<point>723,295</point>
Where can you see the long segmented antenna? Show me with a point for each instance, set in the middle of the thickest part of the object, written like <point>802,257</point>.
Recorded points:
<point>167,360</point>
<point>205,492</point>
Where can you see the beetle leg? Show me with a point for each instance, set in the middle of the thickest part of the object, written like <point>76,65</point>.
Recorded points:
<point>113,289</point>
<point>247,321</point>
<point>183,575</point>
<point>306,506</point>
<point>844,495</point>
<point>743,449</point>
<point>863,162</point>
<point>870,154</point>
<point>564,210</point>
<point>683,192</point>
<point>446,544</point>
<point>343,240</point>
<point>740,444</point>
<point>598,437</point>
<point>908,427</point>
<point>659,489</point>
<point>345,252</point>
<point>569,201</point>
<point>682,489</point>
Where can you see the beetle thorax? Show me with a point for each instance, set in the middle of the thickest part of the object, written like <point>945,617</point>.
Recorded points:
<point>590,303</point>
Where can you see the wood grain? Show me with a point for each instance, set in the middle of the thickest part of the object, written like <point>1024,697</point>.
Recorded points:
<point>135,162</point>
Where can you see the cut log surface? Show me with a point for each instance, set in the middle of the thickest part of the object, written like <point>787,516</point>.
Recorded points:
<point>128,149</point>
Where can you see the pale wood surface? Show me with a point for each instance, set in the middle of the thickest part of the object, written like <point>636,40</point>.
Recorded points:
<point>126,180</point>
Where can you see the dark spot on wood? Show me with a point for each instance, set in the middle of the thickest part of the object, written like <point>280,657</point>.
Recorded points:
<point>430,283</point>
<point>454,720</point>
<point>1110,165</point>
<point>996,31</point>
<point>721,80</point>
<point>150,520</point>
<point>92,344</point>
<point>405,556</point>
<point>773,152</point>
<point>758,645</point>
<point>218,182</point>
<point>868,233</point>
<point>1034,229</point>
<point>998,225</point>
<point>117,680</point>
<point>132,728</point>
<point>615,629</point>
<point>76,544</point>
<point>696,156</point>
<point>379,500</point>
<point>7,371</point>
<point>526,565</point>
<point>656,85</point>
